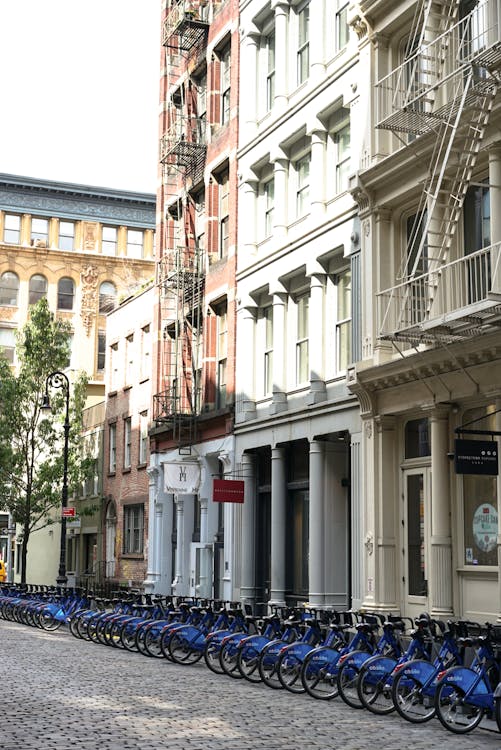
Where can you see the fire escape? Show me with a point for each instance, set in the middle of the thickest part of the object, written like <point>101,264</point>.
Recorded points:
<point>180,271</point>
<point>445,88</point>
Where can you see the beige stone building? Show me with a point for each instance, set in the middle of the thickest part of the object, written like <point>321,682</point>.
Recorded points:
<point>85,248</point>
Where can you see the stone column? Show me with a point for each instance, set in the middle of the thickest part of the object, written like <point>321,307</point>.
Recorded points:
<point>154,529</point>
<point>498,488</point>
<point>318,165</point>
<point>248,229</point>
<point>387,514</point>
<point>281,181</point>
<point>495,198</point>
<point>278,525</point>
<point>317,35</point>
<point>249,69</point>
<point>246,389</point>
<point>279,302</point>
<point>281,8</point>
<point>178,587</point>
<point>316,342</point>
<point>440,573</point>
<point>248,584</point>
<point>316,572</point>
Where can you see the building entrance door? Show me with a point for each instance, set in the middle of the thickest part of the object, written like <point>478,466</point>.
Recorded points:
<point>201,570</point>
<point>416,521</point>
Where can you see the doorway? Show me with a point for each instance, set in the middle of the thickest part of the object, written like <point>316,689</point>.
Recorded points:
<point>416,535</point>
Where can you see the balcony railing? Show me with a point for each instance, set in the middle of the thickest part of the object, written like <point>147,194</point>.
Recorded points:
<point>454,301</point>
<point>186,24</point>
<point>408,98</point>
<point>185,141</point>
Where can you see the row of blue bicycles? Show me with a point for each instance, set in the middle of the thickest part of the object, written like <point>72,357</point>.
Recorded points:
<point>383,663</point>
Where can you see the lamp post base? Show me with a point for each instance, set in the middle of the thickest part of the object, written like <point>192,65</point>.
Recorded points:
<point>61,580</point>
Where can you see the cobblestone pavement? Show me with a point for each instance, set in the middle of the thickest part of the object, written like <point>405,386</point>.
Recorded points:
<point>60,693</point>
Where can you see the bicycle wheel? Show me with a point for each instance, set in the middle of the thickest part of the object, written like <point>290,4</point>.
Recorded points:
<point>374,691</point>
<point>347,681</point>
<point>497,712</point>
<point>228,660</point>
<point>48,621</point>
<point>318,674</point>
<point>128,637</point>
<point>410,701</point>
<point>211,656</point>
<point>74,628</point>
<point>289,673</point>
<point>247,663</point>
<point>454,711</point>
<point>152,643</point>
<point>268,665</point>
<point>182,651</point>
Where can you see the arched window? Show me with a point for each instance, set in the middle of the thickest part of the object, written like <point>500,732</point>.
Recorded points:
<point>65,293</point>
<point>107,297</point>
<point>38,288</point>
<point>9,288</point>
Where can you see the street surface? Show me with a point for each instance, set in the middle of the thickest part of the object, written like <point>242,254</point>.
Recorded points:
<point>60,693</point>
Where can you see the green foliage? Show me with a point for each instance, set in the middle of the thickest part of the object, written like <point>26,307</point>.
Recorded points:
<point>31,441</point>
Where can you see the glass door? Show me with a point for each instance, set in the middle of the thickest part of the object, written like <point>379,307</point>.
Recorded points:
<point>417,490</point>
<point>201,568</point>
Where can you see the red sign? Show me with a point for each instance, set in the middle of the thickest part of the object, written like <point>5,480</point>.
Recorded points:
<point>68,513</point>
<point>228,491</point>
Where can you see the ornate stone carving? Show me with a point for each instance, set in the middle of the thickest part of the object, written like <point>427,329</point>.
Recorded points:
<point>88,277</point>
<point>89,237</point>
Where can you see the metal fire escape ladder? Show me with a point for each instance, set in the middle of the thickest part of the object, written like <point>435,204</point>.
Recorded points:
<point>431,18</point>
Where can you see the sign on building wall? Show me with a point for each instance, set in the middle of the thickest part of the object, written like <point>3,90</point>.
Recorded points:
<point>476,457</point>
<point>181,477</point>
<point>228,491</point>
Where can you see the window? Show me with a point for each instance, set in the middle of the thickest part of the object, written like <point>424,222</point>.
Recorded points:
<point>135,241</point>
<point>302,170</point>
<point>107,297</point>
<point>9,288</point>
<point>202,109</point>
<point>65,293</point>
<point>12,229</point>
<point>66,235</point>
<point>8,343</point>
<point>225,62</point>
<point>302,323</point>
<point>269,206</point>
<point>143,437</point>
<point>221,355</point>
<point>133,529</point>
<point>224,211</point>
<point>303,47</point>
<point>417,438</point>
<point>40,232</point>
<point>199,202</point>
<point>129,359</point>
<point>343,156</point>
<point>270,71</point>
<point>113,448</point>
<point>342,30</point>
<point>109,241</point>
<point>101,350</point>
<point>114,372</point>
<point>145,351</point>
<point>37,288</point>
<point>477,219</point>
<point>268,350</point>
<point>127,442</point>
<point>343,320</point>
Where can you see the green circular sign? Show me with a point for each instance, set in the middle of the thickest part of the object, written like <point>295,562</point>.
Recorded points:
<point>485,527</point>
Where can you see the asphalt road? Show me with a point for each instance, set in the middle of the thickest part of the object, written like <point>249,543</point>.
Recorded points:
<point>60,693</point>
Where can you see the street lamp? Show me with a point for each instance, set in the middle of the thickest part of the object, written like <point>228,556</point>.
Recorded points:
<point>60,380</point>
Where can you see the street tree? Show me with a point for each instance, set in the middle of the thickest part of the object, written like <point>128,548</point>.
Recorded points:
<point>31,441</point>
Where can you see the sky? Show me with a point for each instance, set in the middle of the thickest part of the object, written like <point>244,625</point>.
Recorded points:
<point>80,89</point>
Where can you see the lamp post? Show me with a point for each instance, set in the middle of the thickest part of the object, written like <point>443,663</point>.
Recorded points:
<point>60,380</point>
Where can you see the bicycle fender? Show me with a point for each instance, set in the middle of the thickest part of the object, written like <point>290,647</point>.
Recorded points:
<point>497,692</point>
<point>187,631</point>
<point>418,668</point>
<point>297,649</point>
<point>380,665</point>
<point>464,678</point>
<point>356,658</point>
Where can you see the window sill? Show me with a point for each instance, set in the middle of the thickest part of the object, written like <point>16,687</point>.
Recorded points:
<point>133,555</point>
<point>142,466</point>
<point>126,470</point>
<point>112,473</point>
<point>111,394</point>
<point>126,388</point>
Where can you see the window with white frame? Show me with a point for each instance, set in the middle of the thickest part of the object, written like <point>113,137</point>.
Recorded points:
<point>225,63</point>
<point>8,343</point>
<point>67,235</point>
<point>343,157</point>
<point>40,232</point>
<point>146,351</point>
<point>267,334</point>
<point>65,293</point>
<point>11,229</point>
<point>112,438</point>
<point>343,319</point>
<point>341,28</point>
<point>114,383</point>
<point>127,442</point>
<point>135,243</point>
<point>201,85</point>
<point>9,288</point>
<point>270,70</point>
<point>224,213</point>
<point>302,331</point>
<point>269,206</point>
<point>303,44</point>
<point>302,175</point>
<point>143,437</point>
<point>107,297</point>
<point>199,206</point>
<point>37,288</point>
<point>133,529</point>
<point>101,350</point>
<point>129,358</point>
<point>221,354</point>
<point>109,241</point>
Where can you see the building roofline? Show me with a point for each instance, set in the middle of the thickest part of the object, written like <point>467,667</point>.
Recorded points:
<point>36,184</point>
